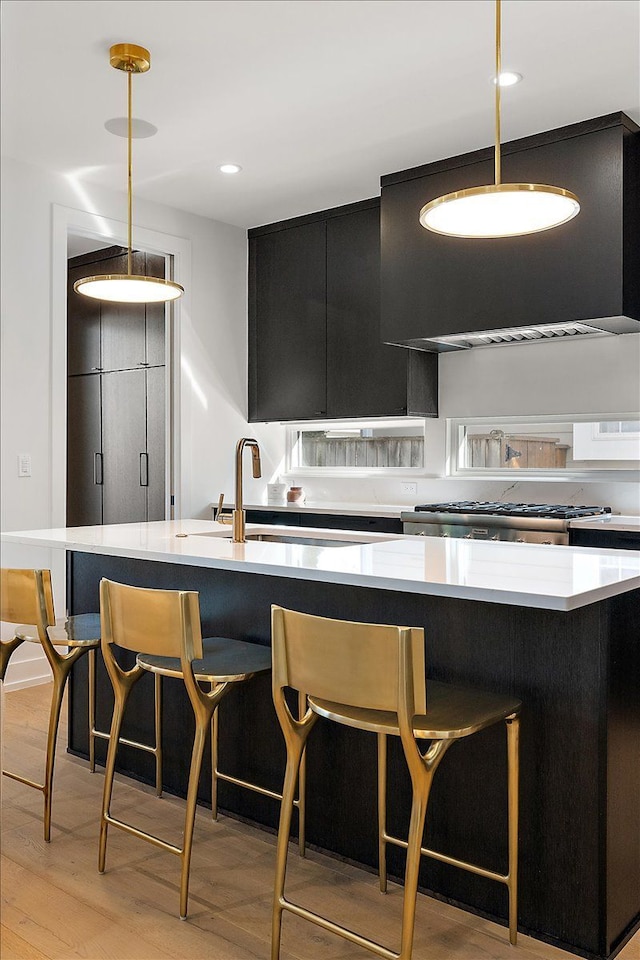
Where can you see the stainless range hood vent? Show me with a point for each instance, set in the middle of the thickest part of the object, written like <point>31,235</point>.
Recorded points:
<point>546,331</point>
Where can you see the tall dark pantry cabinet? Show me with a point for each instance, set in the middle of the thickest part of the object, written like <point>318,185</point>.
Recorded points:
<point>115,399</point>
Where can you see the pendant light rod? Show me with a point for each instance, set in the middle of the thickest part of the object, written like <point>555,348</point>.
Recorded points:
<point>128,287</point>
<point>498,172</point>
<point>129,70</point>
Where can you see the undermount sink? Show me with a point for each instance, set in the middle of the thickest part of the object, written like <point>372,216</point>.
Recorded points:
<point>306,541</point>
<point>307,538</point>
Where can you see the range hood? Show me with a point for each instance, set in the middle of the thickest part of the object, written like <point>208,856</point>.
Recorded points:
<point>581,279</point>
<point>541,332</point>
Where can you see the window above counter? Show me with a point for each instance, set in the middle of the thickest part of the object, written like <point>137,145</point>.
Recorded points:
<point>552,447</point>
<point>357,448</point>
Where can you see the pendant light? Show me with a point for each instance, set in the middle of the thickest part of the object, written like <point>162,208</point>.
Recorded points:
<point>120,287</point>
<point>499,209</point>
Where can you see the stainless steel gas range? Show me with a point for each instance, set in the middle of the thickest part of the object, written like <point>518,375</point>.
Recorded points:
<point>478,520</point>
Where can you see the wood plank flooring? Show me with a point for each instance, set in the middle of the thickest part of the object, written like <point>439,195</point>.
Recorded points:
<point>55,905</point>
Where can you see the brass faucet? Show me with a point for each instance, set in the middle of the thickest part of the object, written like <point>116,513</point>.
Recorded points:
<point>239,515</point>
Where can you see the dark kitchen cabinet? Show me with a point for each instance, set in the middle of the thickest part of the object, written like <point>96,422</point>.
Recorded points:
<point>314,308</point>
<point>585,270</point>
<point>124,445</point>
<point>84,451</point>
<point>116,409</point>
<point>113,336</point>
<point>333,521</point>
<point>606,539</point>
<point>116,447</point>
<point>287,324</point>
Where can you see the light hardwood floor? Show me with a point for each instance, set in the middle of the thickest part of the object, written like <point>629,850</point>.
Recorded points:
<point>55,905</point>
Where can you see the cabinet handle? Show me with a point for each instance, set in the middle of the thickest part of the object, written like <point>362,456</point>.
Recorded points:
<point>97,469</point>
<point>320,413</point>
<point>96,368</point>
<point>144,469</point>
<point>143,363</point>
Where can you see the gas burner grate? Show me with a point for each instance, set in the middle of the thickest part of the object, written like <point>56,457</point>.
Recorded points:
<point>495,508</point>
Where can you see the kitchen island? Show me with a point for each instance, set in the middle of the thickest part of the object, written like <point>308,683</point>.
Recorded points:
<point>555,626</point>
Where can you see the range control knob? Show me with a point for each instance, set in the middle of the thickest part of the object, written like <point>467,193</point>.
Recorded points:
<point>495,537</point>
<point>520,540</point>
<point>468,536</point>
<point>422,533</point>
<point>446,534</point>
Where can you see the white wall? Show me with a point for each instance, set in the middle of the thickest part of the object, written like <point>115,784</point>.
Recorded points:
<point>213,337</point>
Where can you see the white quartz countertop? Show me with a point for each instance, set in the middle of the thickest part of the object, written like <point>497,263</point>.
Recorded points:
<point>530,575</point>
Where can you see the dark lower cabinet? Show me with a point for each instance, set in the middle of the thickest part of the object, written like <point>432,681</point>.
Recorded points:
<point>314,315</point>
<point>332,521</point>
<point>606,539</point>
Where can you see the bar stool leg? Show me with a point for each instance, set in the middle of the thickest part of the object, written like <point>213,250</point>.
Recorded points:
<point>121,695</point>
<point>302,785</point>
<point>61,667</point>
<point>6,649</point>
<point>158,731</point>
<point>296,734</point>
<point>421,779</point>
<point>382,811</point>
<point>199,741</point>
<point>513,738</point>
<point>214,762</point>
<point>91,687</point>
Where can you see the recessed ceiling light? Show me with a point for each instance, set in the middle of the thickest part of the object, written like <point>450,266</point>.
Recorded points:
<point>230,168</point>
<point>140,129</point>
<point>508,78</point>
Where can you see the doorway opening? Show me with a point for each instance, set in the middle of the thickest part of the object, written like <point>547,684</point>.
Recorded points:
<point>118,394</point>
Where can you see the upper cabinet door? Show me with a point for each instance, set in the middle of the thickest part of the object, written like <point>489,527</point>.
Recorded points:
<point>287,324</point>
<point>155,316</point>
<point>83,327</point>
<point>123,324</point>
<point>364,376</point>
<point>434,285</point>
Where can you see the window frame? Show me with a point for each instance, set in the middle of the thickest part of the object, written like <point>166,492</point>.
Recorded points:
<point>626,473</point>
<point>293,429</point>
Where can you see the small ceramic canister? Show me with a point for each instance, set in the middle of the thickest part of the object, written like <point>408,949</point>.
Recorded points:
<point>295,495</point>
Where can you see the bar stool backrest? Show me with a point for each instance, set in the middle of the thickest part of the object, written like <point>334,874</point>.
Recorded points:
<point>359,664</point>
<point>163,623</point>
<point>26,597</point>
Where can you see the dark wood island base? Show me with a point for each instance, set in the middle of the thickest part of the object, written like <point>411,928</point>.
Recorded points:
<point>577,673</point>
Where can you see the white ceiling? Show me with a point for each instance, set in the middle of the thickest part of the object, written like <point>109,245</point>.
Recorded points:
<point>316,99</point>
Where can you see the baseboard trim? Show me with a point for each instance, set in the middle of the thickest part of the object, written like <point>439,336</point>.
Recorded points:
<point>27,673</point>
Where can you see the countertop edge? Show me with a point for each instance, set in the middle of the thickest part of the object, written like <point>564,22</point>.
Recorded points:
<point>426,588</point>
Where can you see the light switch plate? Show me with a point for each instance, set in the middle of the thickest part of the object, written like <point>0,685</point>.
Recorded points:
<point>24,464</point>
<point>411,489</point>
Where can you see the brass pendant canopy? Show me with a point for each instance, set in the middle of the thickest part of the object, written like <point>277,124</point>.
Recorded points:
<point>499,209</point>
<point>129,288</point>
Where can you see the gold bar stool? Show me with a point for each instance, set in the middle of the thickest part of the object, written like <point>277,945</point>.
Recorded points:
<point>372,677</point>
<point>163,628</point>
<point>26,598</point>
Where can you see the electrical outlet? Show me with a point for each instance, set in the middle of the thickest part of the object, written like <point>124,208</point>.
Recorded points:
<point>24,465</point>
<point>411,489</point>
